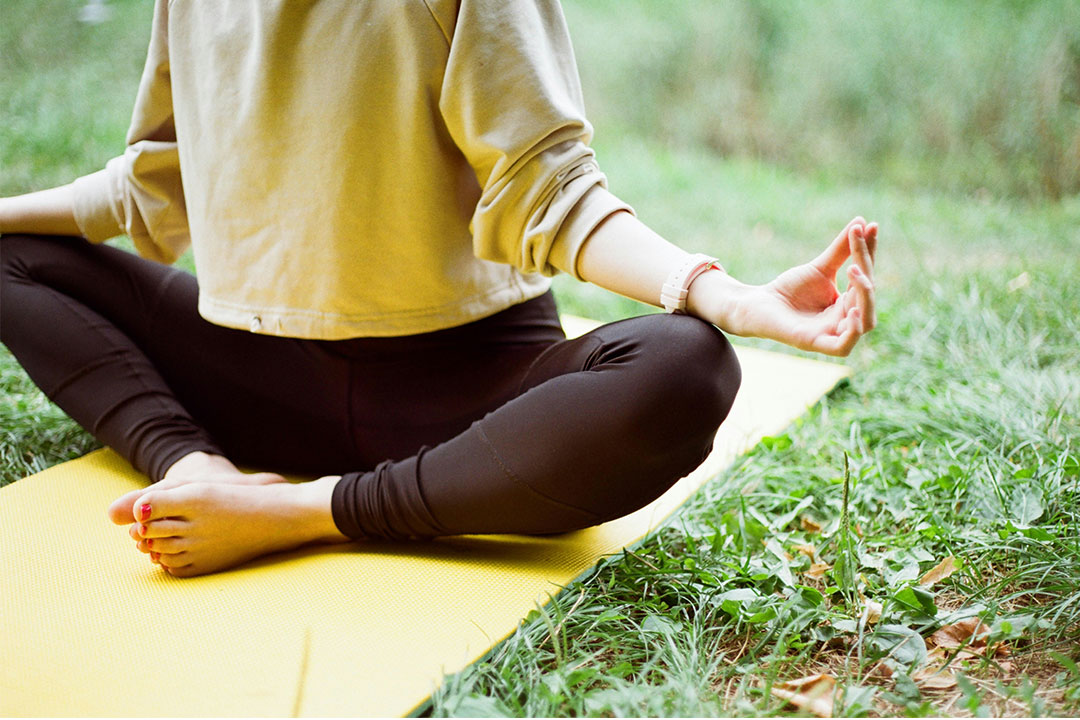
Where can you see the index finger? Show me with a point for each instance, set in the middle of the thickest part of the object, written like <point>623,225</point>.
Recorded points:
<point>829,261</point>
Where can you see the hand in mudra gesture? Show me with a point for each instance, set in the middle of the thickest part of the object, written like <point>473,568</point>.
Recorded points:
<point>804,308</point>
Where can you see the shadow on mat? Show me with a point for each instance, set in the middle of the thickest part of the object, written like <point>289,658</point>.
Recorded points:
<point>515,553</point>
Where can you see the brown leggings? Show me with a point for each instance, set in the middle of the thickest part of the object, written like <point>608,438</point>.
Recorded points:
<point>500,425</point>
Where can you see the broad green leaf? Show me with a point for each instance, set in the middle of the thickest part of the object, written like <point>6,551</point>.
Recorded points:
<point>916,600</point>
<point>811,595</point>
<point>779,563</point>
<point>661,625</point>
<point>1037,533</point>
<point>739,595</point>
<point>858,698</point>
<point>764,616</point>
<point>900,643</point>
<point>776,442</point>
<point>1026,506</point>
<point>909,572</point>
<point>1011,627</point>
<point>843,574</point>
<point>581,675</point>
<point>846,625</point>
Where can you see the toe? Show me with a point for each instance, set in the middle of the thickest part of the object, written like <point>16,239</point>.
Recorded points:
<point>183,571</point>
<point>168,527</point>
<point>120,511</point>
<point>170,545</point>
<point>157,504</point>
<point>172,560</point>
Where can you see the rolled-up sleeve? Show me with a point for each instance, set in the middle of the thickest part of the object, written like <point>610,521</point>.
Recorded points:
<point>511,99</point>
<point>140,192</point>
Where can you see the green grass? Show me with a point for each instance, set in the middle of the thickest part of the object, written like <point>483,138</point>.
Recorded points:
<point>960,428</point>
<point>968,96</point>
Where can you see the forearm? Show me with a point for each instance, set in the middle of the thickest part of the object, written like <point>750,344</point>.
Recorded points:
<point>46,212</point>
<point>627,257</point>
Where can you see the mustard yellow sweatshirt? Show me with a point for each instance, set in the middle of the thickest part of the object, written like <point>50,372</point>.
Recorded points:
<point>347,169</point>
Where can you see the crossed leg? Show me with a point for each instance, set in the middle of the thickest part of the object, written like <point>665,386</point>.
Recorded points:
<point>577,433</point>
<point>117,342</point>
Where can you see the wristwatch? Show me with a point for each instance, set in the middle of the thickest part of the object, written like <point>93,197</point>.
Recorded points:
<point>673,294</point>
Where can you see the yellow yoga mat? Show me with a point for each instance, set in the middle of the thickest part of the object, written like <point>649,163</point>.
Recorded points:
<point>89,627</point>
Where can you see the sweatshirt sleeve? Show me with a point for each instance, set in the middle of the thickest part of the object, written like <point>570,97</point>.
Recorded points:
<point>140,192</point>
<point>511,99</point>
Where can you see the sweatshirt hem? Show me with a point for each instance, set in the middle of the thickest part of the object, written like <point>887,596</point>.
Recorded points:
<point>316,325</point>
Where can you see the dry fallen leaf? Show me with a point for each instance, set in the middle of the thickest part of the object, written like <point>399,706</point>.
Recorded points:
<point>947,656</point>
<point>808,550</point>
<point>971,631</point>
<point>934,678</point>
<point>872,610</point>
<point>813,694</point>
<point>939,572</point>
<point>971,635</point>
<point>809,525</point>
<point>880,670</point>
<point>817,570</point>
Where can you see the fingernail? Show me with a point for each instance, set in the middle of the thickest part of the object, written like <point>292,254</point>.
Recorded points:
<point>144,511</point>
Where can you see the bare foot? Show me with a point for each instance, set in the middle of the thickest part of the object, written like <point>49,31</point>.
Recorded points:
<point>193,467</point>
<point>200,528</point>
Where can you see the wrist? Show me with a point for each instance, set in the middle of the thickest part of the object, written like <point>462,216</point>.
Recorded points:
<point>718,298</point>
<point>316,501</point>
<point>5,216</point>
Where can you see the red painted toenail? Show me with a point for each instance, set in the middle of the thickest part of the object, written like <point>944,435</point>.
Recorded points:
<point>144,511</point>
<point>149,543</point>
<point>142,529</point>
<point>155,556</point>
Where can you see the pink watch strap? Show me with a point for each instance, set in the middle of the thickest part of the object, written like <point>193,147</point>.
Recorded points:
<point>674,292</point>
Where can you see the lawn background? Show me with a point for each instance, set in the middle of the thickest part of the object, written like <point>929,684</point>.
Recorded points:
<point>754,131</point>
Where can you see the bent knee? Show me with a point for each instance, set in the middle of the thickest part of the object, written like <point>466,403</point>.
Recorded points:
<point>696,368</point>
